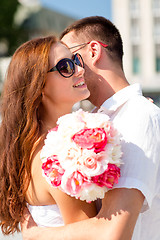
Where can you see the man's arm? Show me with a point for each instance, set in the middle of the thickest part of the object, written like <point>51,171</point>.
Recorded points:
<point>115,221</point>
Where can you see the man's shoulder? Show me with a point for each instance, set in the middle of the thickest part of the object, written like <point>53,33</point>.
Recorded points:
<point>137,115</point>
<point>141,105</point>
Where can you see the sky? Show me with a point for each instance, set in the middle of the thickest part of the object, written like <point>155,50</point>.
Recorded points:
<point>79,9</point>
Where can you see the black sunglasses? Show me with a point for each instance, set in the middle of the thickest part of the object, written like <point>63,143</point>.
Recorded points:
<point>66,66</point>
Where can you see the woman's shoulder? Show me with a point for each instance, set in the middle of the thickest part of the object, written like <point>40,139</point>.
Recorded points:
<point>38,190</point>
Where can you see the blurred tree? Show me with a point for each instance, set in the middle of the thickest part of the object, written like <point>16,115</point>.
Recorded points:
<point>10,34</point>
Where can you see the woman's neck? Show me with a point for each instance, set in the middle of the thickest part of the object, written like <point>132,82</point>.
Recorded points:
<point>49,116</point>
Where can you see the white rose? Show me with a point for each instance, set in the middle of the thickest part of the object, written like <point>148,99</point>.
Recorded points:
<point>92,192</point>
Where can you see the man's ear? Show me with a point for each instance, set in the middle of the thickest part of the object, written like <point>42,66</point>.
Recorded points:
<point>95,50</point>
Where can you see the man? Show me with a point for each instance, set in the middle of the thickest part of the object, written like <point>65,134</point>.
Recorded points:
<point>131,209</point>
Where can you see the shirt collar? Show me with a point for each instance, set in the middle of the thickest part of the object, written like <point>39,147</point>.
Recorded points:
<point>119,98</point>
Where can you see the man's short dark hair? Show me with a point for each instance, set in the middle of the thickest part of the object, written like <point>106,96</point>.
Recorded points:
<point>100,29</point>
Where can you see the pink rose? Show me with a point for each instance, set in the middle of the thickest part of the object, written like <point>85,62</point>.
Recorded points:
<point>109,177</point>
<point>53,170</point>
<point>91,138</point>
<point>74,183</point>
<point>90,162</point>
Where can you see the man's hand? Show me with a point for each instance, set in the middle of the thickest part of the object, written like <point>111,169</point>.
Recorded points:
<point>150,99</point>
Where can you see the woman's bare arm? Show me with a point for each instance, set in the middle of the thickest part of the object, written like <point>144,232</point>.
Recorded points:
<point>115,221</point>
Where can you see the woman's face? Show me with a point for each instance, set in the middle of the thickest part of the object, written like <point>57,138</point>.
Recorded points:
<point>60,90</point>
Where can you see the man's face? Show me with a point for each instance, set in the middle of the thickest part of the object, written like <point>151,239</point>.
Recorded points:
<point>71,40</point>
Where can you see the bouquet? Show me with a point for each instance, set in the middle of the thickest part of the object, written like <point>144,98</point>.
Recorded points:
<point>82,155</point>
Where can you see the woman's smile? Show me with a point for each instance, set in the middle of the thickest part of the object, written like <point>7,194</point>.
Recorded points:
<point>80,84</point>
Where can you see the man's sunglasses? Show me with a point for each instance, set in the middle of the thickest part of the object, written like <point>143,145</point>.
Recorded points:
<point>66,66</point>
<point>84,44</point>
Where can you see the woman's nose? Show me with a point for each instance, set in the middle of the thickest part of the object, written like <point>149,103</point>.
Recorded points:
<point>79,71</point>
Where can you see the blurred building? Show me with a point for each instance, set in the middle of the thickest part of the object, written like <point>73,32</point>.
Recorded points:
<point>139,25</point>
<point>45,22</point>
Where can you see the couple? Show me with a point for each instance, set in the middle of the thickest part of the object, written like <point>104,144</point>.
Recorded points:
<point>42,84</point>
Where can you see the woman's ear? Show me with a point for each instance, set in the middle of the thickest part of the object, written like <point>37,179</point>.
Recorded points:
<point>95,50</point>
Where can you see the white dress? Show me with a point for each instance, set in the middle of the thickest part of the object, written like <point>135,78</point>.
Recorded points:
<point>46,216</point>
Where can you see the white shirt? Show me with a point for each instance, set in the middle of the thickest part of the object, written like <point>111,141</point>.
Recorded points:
<point>138,122</point>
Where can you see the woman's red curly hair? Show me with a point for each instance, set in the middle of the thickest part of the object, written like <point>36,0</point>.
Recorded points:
<point>20,126</point>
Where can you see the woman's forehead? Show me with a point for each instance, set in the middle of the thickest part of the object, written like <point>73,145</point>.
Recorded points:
<point>58,51</point>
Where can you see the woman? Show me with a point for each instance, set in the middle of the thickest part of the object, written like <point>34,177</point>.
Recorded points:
<point>43,82</point>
